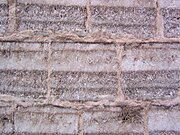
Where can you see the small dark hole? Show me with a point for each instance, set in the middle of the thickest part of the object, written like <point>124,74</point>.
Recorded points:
<point>5,119</point>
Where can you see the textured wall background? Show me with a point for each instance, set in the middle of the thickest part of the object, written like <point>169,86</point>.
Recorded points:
<point>105,67</point>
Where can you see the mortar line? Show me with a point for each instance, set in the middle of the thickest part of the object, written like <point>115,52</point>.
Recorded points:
<point>80,123</point>
<point>145,118</point>
<point>159,21</point>
<point>49,71</point>
<point>120,94</point>
<point>12,21</point>
<point>89,104</point>
<point>88,12</point>
<point>27,37</point>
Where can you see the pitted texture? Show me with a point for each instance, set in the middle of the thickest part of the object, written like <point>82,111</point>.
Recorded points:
<point>92,67</point>
<point>4,17</point>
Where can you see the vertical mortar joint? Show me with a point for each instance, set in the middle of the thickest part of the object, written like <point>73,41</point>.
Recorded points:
<point>121,96</point>
<point>159,21</point>
<point>80,123</point>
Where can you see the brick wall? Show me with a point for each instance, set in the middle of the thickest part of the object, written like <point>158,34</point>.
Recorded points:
<point>93,67</point>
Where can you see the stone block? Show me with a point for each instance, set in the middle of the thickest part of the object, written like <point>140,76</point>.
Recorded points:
<point>84,71</point>
<point>128,121</point>
<point>122,18</point>
<point>30,56</point>
<point>45,121</point>
<point>164,120</point>
<point>170,4</point>
<point>4,16</point>
<point>52,15</point>
<point>23,69</point>
<point>84,57</point>
<point>23,83</point>
<point>149,73</point>
<point>84,86</point>
<point>124,3</point>
<point>6,120</point>
<point>171,22</point>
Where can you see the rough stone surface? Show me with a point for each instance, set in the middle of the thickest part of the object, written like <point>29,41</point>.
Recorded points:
<point>171,22</point>
<point>149,73</point>
<point>151,84</point>
<point>4,17</point>
<point>57,18</point>
<point>60,121</point>
<point>92,67</point>
<point>23,69</point>
<point>151,56</point>
<point>127,121</point>
<point>134,22</point>
<point>6,120</point>
<point>170,4</point>
<point>124,3</point>
<point>22,56</point>
<point>55,2</point>
<point>84,57</point>
<point>80,71</point>
<point>23,83</point>
<point>84,85</point>
<point>164,120</point>
<point>164,133</point>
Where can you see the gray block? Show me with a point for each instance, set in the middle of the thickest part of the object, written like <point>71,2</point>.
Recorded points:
<point>170,4</point>
<point>151,84</point>
<point>57,121</point>
<point>84,57</point>
<point>6,120</point>
<point>164,121</point>
<point>120,21</point>
<point>164,133</point>
<point>113,134</point>
<point>23,83</point>
<point>84,71</point>
<point>23,69</point>
<point>55,2</point>
<point>84,85</point>
<point>171,22</point>
<point>127,121</point>
<point>4,16</point>
<point>124,3</point>
<point>23,56</point>
<point>149,73</point>
<point>57,18</point>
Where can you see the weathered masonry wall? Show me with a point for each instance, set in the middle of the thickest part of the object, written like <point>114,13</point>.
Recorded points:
<point>93,67</point>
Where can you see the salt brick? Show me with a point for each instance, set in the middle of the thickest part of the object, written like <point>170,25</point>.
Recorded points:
<point>46,122</point>
<point>84,57</point>
<point>4,16</point>
<point>171,19</point>
<point>105,122</point>
<point>124,3</point>
<point>84,85</point>
<point>117,22</point>
<point>69,19</point>
<point>24,83</point>
<point>149,73</point>
<point>6,120</point>
<point>22,56</point>
<point>164,121</point>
